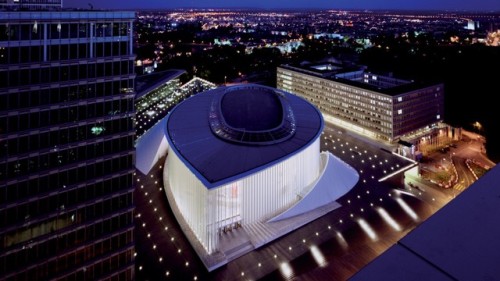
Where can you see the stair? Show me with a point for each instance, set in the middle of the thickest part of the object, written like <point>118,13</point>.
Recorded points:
<point>259,233</point>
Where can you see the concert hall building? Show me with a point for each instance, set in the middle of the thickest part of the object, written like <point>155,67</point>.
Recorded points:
<point>247,158</point>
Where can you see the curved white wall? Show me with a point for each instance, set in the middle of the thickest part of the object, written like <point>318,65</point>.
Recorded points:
<point>256,197</point>
<point>150,147</point>
<point>274,189</point>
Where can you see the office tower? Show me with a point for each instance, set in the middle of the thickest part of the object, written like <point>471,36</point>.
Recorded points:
<point>66,144</point>
<point>31,4</point>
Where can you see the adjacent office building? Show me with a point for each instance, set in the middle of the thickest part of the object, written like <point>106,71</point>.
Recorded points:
<point>382,107</point>
<point>66,143</point>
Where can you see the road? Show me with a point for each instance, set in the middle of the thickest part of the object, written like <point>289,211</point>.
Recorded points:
<point>473,149</point>
<point>465,176</point>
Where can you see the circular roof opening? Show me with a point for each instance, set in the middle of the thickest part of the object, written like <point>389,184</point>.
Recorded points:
<point>251,109</point>
<point>251,115</point>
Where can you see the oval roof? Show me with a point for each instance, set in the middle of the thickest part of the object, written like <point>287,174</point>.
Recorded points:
<point>215,160</point>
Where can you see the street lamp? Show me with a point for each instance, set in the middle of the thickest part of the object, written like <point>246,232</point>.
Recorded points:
<point>225,77</point>
<point>478,126</point>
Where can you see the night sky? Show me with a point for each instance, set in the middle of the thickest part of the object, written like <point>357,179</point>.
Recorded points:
<point>454,5</point>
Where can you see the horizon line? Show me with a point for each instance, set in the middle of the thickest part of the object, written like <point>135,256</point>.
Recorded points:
<point>301,9</point>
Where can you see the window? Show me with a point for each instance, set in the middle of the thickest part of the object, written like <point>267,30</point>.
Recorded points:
<point>4,32</point>
<point>54,52</point>
<point>36,54</point>
<point>14,54</point>
<point>64,30</point>
<point>36,31</point>
<point>99,50</point>
<point>12,32</point>
<point>25,31</point>
<point>55,31</point>
<point>73,52</point>
<point>83,30</point>
<point>107,49</point>
<point>14,77</point>
<point>123,29</point>
<point>82,51</point>
<point>64,52</point>
<point>73,30</point>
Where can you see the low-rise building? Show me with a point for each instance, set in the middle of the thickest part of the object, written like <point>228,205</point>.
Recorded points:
<point>381,107</point>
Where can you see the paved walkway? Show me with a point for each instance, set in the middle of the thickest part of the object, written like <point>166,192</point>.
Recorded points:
<point>163,252</point>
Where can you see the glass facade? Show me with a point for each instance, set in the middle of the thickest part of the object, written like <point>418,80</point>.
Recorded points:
<point>66,145</point>
<point>153,105</point>
<point>31,4</point>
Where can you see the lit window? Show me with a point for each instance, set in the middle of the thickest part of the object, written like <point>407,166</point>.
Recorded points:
<point>97,130</point>
<point>400,98</point>
<point>400,111</point>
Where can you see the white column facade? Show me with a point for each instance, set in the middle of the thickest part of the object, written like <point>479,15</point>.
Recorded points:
<point>190,197</point>
<point>256,197</point>
<point>273,190</point>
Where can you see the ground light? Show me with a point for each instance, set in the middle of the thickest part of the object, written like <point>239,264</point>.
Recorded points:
<point>367,229</point>
<point>342,240</point>
<point>286,270</point>
<point>388,219</point>
<point>407,208</point>
<point>318,256</point>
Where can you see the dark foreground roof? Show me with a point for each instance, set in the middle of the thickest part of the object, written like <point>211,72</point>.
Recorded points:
<point>216,161</point>
<point>459,242</point>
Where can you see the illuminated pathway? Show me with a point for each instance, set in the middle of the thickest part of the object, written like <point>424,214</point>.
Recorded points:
<point>373,216</point>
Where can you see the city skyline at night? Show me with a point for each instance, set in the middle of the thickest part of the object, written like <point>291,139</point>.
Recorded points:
<point>249,140</point>
<point>449,5</point>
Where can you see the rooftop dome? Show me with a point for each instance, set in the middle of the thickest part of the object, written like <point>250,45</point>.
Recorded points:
<point>251,115</point>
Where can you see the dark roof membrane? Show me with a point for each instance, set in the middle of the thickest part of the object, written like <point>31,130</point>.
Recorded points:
<point>251,115</point>
<point>252,109</point>
<point>216,161</point>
